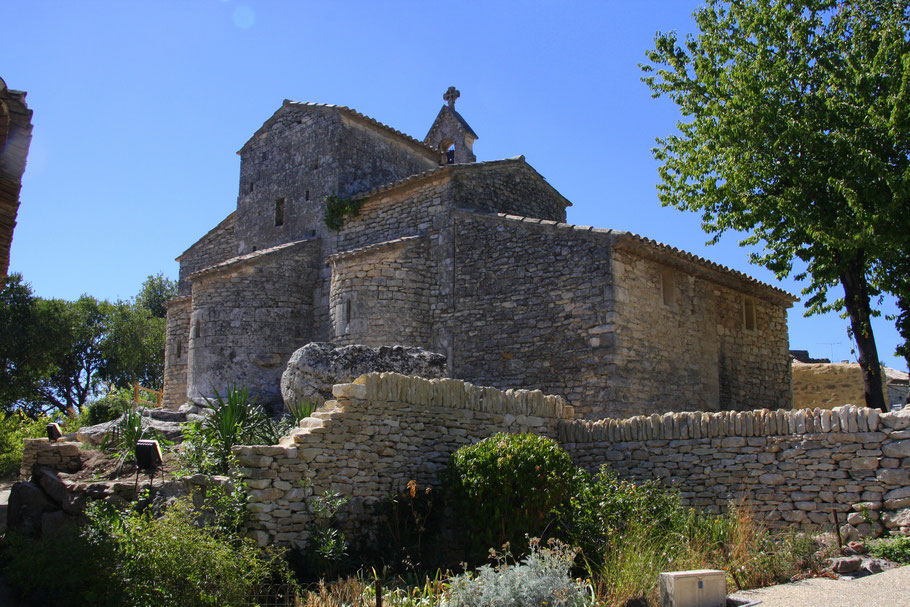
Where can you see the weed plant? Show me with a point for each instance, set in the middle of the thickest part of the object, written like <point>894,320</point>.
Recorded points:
<point>895,549</point>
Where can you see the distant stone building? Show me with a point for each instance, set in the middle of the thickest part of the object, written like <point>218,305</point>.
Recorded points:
<point>15,137</point>
<point>470,259</point>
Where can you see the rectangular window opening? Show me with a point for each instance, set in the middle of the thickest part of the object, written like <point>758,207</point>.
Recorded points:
<point>279,212</point>
<point>668,287</point>
<point>749,314</point>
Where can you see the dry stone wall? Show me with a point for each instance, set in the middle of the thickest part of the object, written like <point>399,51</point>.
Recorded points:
<point>510,186</point>
<point>382,431</point>
<point>791,467</point>
<point>57,455</point>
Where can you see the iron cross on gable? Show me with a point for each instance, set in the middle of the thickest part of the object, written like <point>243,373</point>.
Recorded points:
<point>451,95</point>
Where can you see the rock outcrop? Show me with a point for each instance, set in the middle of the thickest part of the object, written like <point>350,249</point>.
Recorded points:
<point>162,422</point>
<point>316,367</point>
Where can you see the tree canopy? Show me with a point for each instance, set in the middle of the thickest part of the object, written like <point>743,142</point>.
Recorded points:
<point>59,354</point>
<point>796,130</point>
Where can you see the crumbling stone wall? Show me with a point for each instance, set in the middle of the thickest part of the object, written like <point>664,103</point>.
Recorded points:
<point>248,317</point>
<point>58,455</point>
<point>382,295</point>
<point>791,467</point>
<point>176,351</point>
<point>382,431</point>
<point>218,245</point>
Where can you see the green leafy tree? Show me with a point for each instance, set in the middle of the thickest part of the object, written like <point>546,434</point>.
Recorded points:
<point>796,116</point>
<point>156,290</point>
<point>26,343</point>
<point>133,347</point>
<point>80,328</point>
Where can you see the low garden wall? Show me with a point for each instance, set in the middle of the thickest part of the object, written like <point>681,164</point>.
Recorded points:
<point>381,432</point>
<point>57,455</point>
<point>794,468</point>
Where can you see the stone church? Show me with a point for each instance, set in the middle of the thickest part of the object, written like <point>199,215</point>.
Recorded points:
<point>471,259</point>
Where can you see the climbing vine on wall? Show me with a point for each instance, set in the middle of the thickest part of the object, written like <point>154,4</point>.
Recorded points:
<point>336,209</point>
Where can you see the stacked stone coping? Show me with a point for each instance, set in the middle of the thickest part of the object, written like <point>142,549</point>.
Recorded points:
<point>383,430</point>
<point>793,467</point>
<point>58,455</point>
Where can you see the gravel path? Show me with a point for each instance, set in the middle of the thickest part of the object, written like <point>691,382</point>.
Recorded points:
<point>888,589</point>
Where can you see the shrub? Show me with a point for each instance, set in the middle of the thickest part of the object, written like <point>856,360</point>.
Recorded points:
<point>181,558</point>
<point>14,429</point>
<point>506,486</point>
<point>541,578</point>
<point>108,407</point>
<point>603,507</point>
<point>236,420</point>
<point>895,549</point>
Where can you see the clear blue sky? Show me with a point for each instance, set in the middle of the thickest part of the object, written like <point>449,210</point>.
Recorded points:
<point>141,106</point>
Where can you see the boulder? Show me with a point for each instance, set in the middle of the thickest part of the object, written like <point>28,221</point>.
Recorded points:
<point>316,367</point>
<point>162,422</point>
<point>27,506</point>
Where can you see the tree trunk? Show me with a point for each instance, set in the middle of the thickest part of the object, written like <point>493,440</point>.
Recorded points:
<point>856,298</point>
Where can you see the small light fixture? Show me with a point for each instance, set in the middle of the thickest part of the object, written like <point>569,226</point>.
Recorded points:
<point>54,432</point>
<point>148,455</point>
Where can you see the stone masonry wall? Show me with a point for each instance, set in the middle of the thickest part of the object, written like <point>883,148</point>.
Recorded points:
<point>177,351</point>
<point>382,431</point>
<point>306,153</point>
<point>382,295</point>
<point>791,467</point>
<point>248,318</point>
<point>58,455</point>
<point>681,341</point>
<point>511,187</point>
<point>216,246</point>
<point>531,303</point>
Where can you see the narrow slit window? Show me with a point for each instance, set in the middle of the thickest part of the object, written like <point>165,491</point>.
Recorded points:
<point>306,195</point>
<point>347,311</point>
<point>668,287</point>
<point>279,212</point>
<point>749,314</point>
<point>179,349</point>
<point>198,328</point>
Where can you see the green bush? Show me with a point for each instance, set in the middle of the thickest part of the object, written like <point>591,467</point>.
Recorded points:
<point>14,429</point>
<point>184,557</point>
<point>237,420</point>
<point>603,506</point>
<point>895,549</point>
<point>506,487</point>
<point>108,407</point>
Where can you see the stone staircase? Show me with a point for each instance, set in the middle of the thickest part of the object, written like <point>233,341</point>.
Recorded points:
<point>315,424</point>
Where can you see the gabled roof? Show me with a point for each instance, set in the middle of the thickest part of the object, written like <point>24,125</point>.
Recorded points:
<point>464,123</point>
<point>448,169</point>
<point>230,217</point>
<point>248,257</point>
<point>371,122</point>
